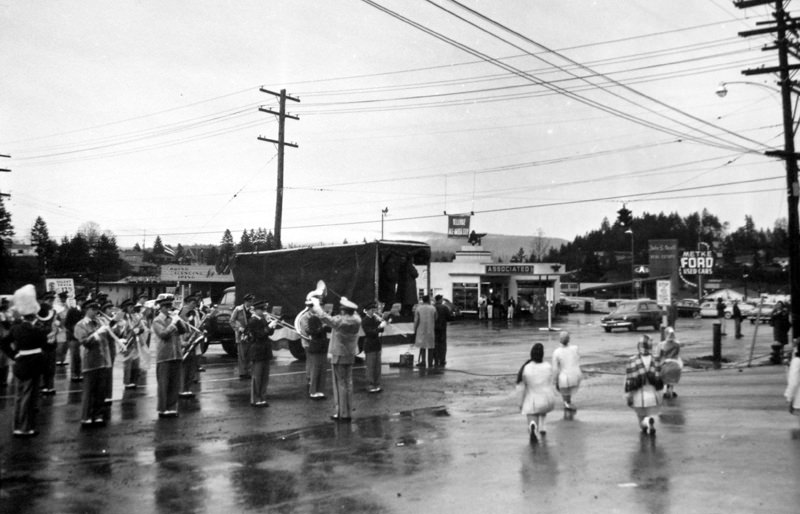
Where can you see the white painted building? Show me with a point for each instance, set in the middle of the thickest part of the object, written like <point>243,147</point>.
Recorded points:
<point>474,272</point>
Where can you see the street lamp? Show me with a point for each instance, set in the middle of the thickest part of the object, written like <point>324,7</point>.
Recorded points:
<point>633,289</point>
<point>722,91</point>
<point>384,212</point>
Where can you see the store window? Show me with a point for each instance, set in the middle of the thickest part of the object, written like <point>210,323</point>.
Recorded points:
<point>465,295</point>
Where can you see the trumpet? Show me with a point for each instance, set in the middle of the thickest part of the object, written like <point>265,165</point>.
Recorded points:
<point>107,328</point>
<point>272,317</point>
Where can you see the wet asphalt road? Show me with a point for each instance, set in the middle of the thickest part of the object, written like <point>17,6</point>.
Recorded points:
<point>446,441</point>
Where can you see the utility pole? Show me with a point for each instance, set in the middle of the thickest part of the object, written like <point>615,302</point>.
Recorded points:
<point>782,24</point>
<point>6,170</point>
<point>282,115</point>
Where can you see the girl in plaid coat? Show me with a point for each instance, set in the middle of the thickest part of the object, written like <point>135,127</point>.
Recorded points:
<point>643,385</point>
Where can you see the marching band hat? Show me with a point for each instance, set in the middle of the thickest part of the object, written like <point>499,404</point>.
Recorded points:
<point>49,295</point>
<point>370,305</point>
<point>347,304</point>
<point>89,304</point>
<point>249,297</point>
<point>126,302</point>
<point>261,304</point>
<point>25,300</point>
<point>190,298</point>
<point>106,305</point>
<point>164,302</point>
<point>80,296</point>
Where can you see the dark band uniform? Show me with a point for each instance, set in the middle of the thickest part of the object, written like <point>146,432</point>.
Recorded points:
<point>24,343</point>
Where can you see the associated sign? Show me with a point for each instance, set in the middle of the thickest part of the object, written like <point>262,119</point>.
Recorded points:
<point>177,273</point>
<point>697,262</point>
<point>509,269</point>
<point>458,225</point>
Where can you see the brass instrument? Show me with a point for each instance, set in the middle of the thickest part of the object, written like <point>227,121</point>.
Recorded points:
<point>272,317</point>
<point>104,320</point>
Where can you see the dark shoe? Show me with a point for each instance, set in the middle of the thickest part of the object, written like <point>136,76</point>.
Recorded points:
<point>201,369</point>
<point>130,386</point>
<point>86,422</point>
<point>335,417</point>
<point>186,394</point>
<point>108,401</point>
<point>348,419</point>
<point>244,377</point>
<point>76,379</point>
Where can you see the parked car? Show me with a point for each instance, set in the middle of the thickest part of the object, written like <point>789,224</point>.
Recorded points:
<point>688,308</point>
<point>708,309</point>
<point>761,313</point>
<point>632,315</point>
<point>745,307</point>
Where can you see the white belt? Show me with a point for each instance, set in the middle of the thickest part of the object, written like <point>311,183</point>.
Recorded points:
<point>29,352</point>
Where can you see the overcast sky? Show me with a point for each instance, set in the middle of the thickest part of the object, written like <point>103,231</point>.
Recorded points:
<point>538,116</point>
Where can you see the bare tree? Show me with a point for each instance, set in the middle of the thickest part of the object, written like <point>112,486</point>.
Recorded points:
<point>540,246</point>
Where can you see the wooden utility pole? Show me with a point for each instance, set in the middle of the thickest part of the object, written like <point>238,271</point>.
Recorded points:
<point>781,26</point>
<point>6,170</point>
<point>282,115</point>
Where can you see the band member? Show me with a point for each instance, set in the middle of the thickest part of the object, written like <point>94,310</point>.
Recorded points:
<point>132,328</point>
<point>61,307</point>
<point>344,346</point>
<point>73,316</point>
<point>190,317</point>
<point>239,318</point>
<point>46,318</point>
<point>5,325</point>
<point>372,325</point>
<point>259,330</point>
<point>95,360</point>
<point>315,340</point>
<point>24,343</point>
<point>167,331</point>
<point>111,336</point>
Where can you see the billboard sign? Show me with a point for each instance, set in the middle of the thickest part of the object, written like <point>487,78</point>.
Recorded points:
<point>177,273</point>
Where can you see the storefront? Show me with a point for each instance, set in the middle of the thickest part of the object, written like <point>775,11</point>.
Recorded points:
<point>473,279</point>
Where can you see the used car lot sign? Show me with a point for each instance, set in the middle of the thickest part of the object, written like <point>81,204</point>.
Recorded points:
<point>697,262</point>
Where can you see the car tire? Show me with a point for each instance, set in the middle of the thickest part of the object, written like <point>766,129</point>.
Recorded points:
<point>728,315</point>
<point>696,315</point>
<point>607,329</point>
<point>633,326</point>
<point>656,326</point>
<point>297,350</point>
<point>230,348</point>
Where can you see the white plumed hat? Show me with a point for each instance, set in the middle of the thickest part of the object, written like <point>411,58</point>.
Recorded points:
<point>25,302</point>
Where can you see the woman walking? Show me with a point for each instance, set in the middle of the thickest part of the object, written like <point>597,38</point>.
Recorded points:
<point>567,370</point>
<point>671,363</point>
<point>643,385</point>
<point>538,398</point>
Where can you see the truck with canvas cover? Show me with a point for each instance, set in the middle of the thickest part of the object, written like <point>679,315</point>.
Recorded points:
<point>382,271</point>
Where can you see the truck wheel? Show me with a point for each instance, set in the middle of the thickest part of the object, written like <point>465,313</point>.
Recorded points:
<point>230,348</point>
<point>297,350</point>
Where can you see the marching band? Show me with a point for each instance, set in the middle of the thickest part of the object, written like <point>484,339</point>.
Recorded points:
<point>37,335</point>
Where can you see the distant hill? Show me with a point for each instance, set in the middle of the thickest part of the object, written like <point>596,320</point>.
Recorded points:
<point>502,246</point>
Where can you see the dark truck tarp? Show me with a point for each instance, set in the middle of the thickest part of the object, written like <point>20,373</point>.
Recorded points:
<point>284,277</point>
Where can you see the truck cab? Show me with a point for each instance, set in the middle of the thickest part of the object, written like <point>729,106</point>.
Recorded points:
<point>218,323</point>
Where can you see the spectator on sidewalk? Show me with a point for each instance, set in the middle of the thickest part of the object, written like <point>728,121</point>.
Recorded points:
<point>424,323</point>
<point>779,319</point>
<point>737,319</point>
<point>643,385</point>
<point>792,393</point>
<point>721,316</point>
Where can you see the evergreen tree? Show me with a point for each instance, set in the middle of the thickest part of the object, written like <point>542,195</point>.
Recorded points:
<point>519,256</point>
<point>158,246</point>
<point>137,248</point>
<point>245,243</point>
<point>106,261</point>
<point>6,231</point>
<point>45,247</point>
<point>271,243</point>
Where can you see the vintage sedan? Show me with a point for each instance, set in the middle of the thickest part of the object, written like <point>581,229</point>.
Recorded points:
<point>632,315</point>
<point>688,308</point>
<point>761,313</point>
